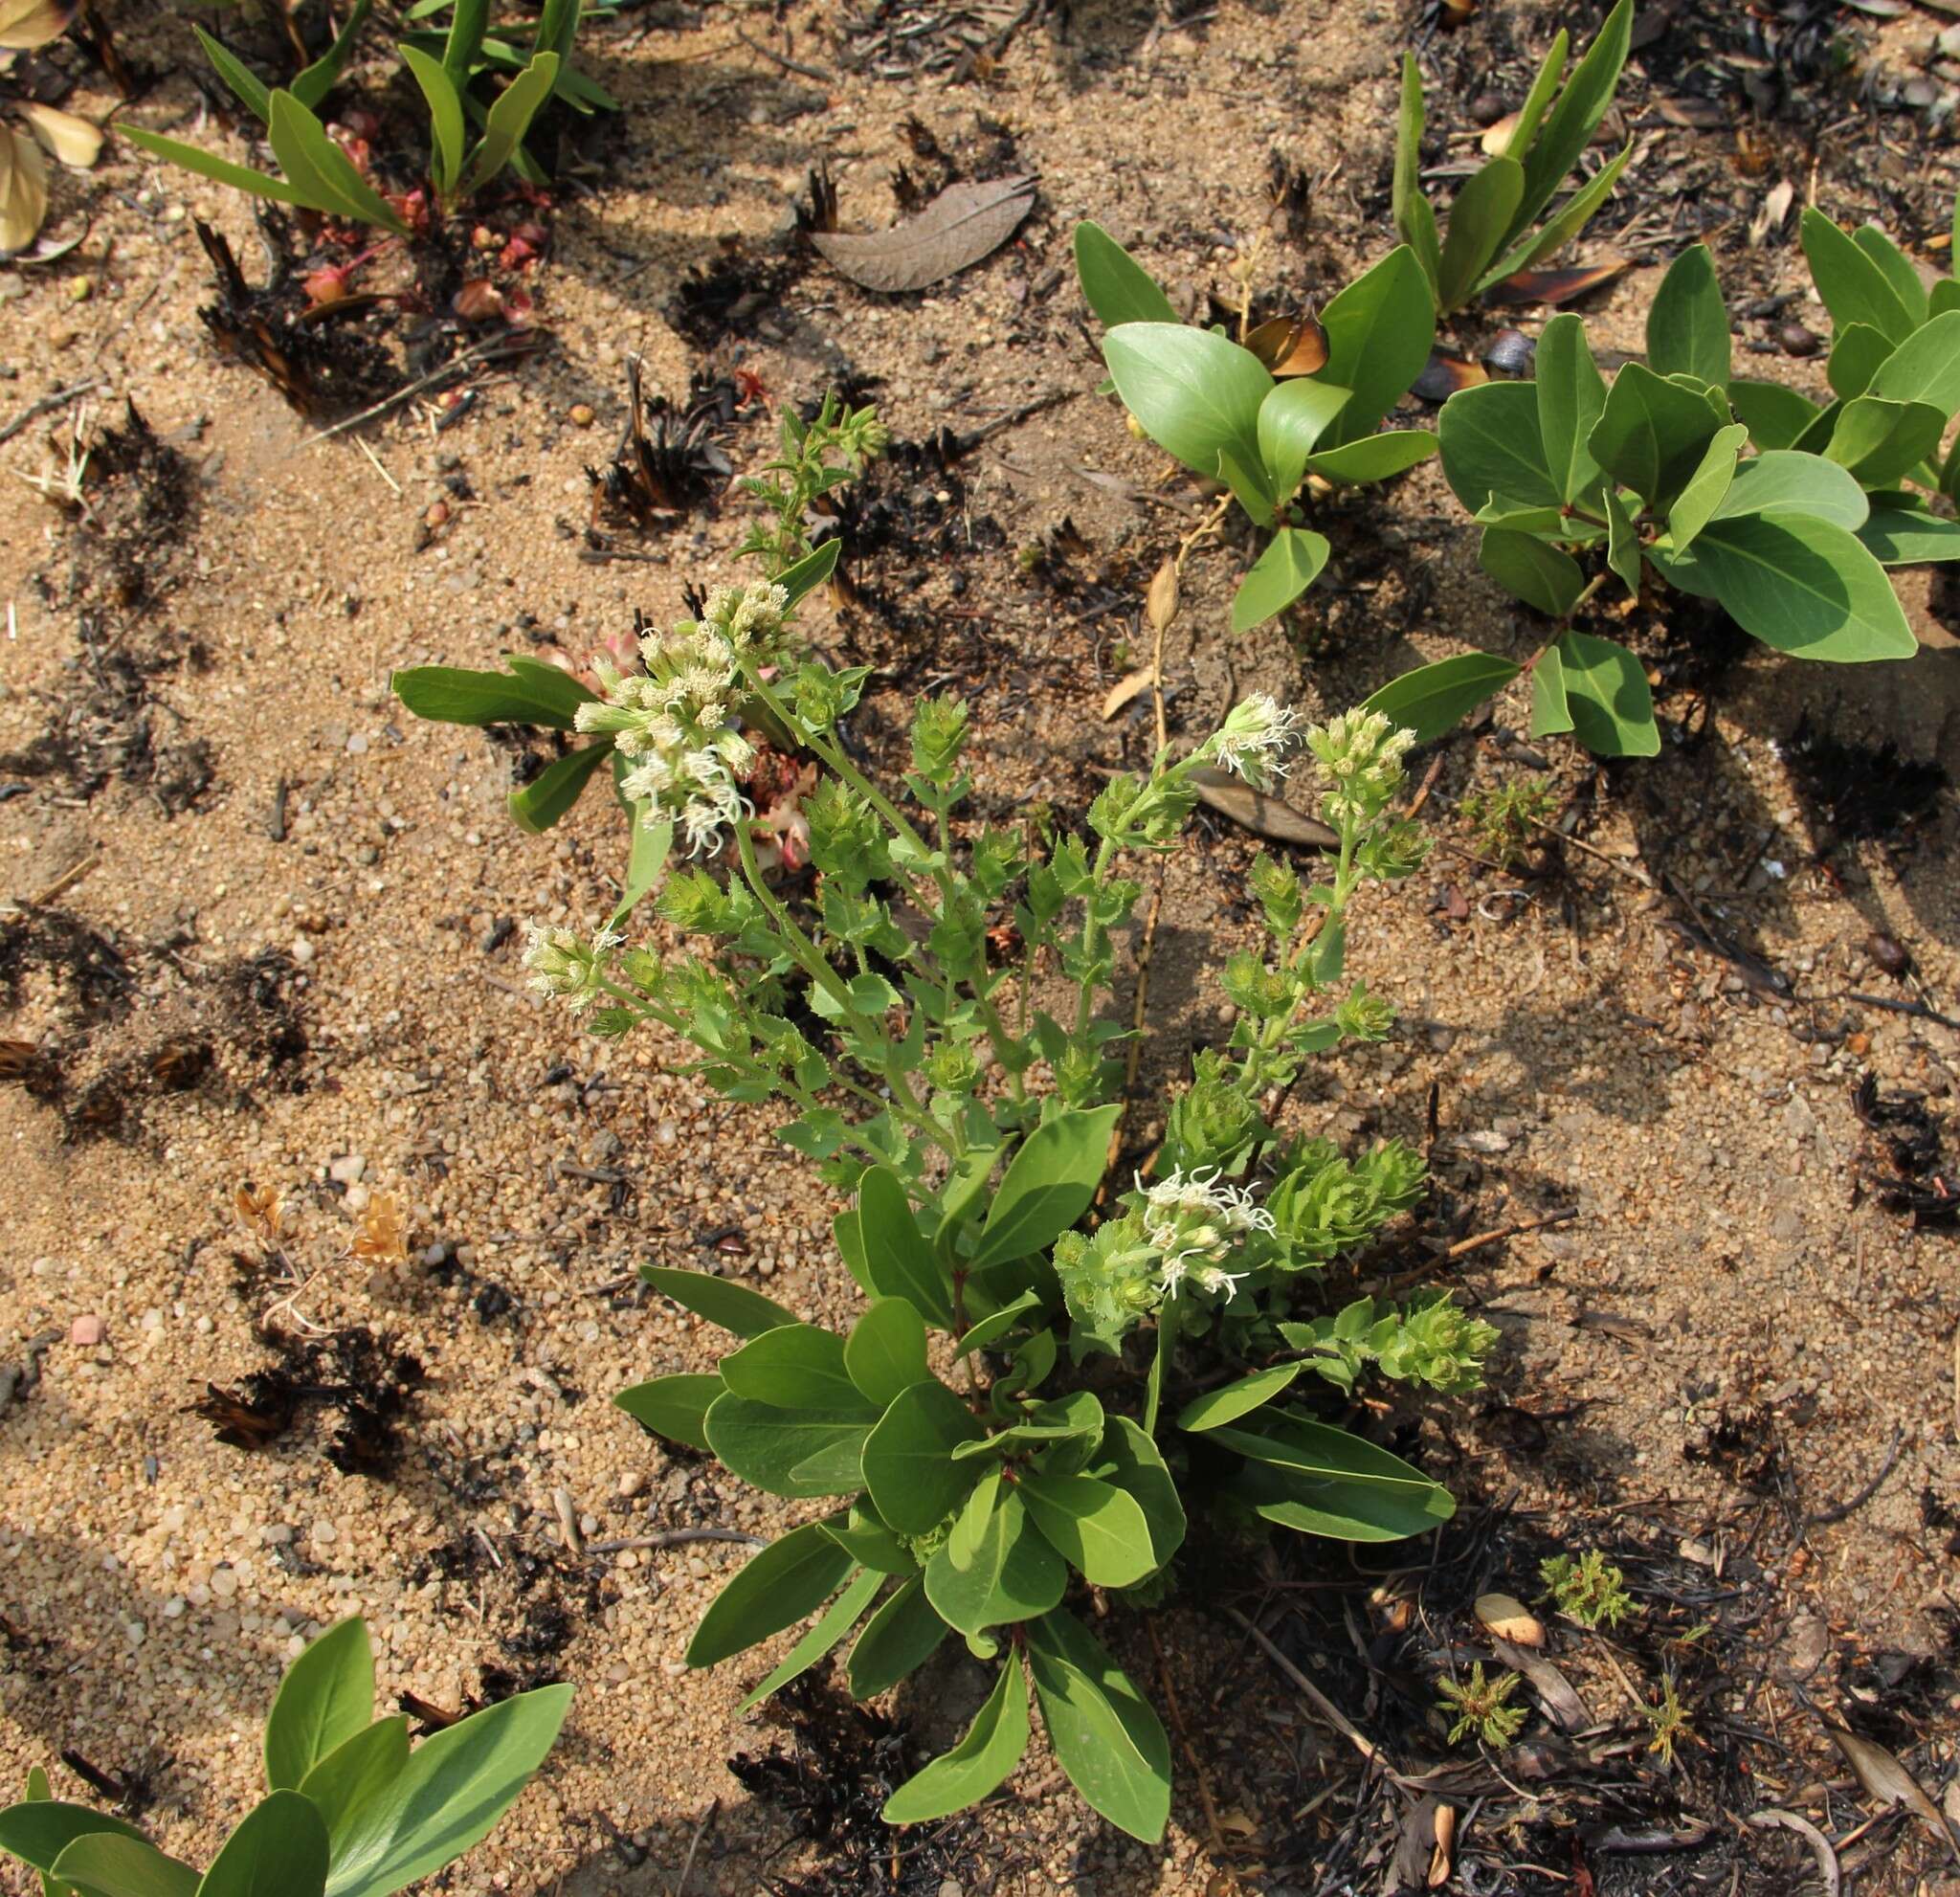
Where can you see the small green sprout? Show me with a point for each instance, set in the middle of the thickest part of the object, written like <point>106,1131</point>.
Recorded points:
<point>1669,1721</point>
<point>1507,820</point>
<point>1483,1706</point>
<point>1591,1590</point>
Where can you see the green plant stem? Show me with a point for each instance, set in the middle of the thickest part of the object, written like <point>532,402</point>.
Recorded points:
<point>1094,935</point>
<point>1168,1321</point>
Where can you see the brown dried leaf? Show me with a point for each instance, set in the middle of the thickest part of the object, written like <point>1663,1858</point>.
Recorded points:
<point>1160,603</point>
<point>259,1212</point>
<point>73,141</point>
<point>1773,212</point>
<point>23,190</point>
<point>24,24</point>
<point>1443,375</point>
<point>1702,115</point>
<point>1124,690</point>
<point>1510,1620</point>
<point>1497,137</point>
<point>1555,287</point>
<point>1289,345</point>
<point>1263,815</point>
<point>1770,1818</point>
<point>1554,1690</point>
<point>963,224</point>
<point>1884,1779</point>
<point>381,1233</point>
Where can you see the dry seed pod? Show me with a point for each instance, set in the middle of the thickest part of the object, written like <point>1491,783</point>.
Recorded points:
<point>1507,1618</point>
<point>1160,603</point>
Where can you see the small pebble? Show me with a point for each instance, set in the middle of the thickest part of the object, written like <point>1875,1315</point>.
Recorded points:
<point>1890,954</point>
<point>86,1331</point>
<point>1797,341</point>
<point>581,415</point>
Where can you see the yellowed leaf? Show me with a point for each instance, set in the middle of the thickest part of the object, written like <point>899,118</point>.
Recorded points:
<point>1132,685</point>
<point>1509,1618</point>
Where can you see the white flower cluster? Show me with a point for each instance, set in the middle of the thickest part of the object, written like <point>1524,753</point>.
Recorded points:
<point>563,964</point>
<point>675,722</point>
<point>1362,754</point>
<point>1257,738</point>
<point>1196,1222</point>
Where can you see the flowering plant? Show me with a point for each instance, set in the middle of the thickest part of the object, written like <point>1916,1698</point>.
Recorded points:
<point>1047,1365</point>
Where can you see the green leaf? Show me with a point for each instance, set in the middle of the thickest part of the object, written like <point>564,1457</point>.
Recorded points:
<point>1607,694</point>
<point>1901,533</point>
<point>796,1367</point>
<point>538,805</point>
<point>1135,1464</point>
<point>1105,1736</point>
<point>1857,352</point>
<point>327,1697</point>
<point>509,120</point>
<point>1551,711</point>
<point>1250,485</point>
<point>1571,394</point>
<point>1414,218</point>
<point>1687,326</point>
<point>1799,584</point>
<point>1379,331</point>
<point>1193,393</point>
<point>1707,487</point>
<point>358,1774</point>
<point>1098,1527</point>
<point>450,1796</point>
<point>1569,124</point>
<point>253,92</point>
<point>1492,447</point>
<point>836,1620</point>
<point>979,1764</point>
<point>1852,287</point>
<point>1775,416</point>
<point>886,1351</point>
<point>898,1260</point>
<point>1881,441</point>
<point>1011,1573</point>
<point>805,575</point>
<point>451,695</point>
<point>1319,1479</point>
<point>1785,480</point>
<point>241,177</point>
<point>1233,1400</point>
<point>1432,698</point>
<point>1572,217</point>
<point>312,83</point>
<point>646,857</point>
<point>1118,288</point>
<point>103,1863</point>
<point>279,1849</point>
<point>1531,114</point>
<point>1622,539</point>
<point>1925,368</point>
<point>1291,421</point>
<point>898,1639</point>
<point>1537,574</point>
<point>1652,433</point>
<point>1943,298</point>
<point>774,1448</point>
<point>862,1532</point>
<point>40,1828</point>
<point>720,1300</point>
<point>908,1461</point>
<point>1480,220</point>
<point>466,28</point>
<point>319,169</point>
<point>1048,1184</point>
<point>446,127</point>
<point>787,1581</point>
<point>1896,268</point>
<point>1291,562</point>
<point>990,1330</point>
<point>1371,457</point>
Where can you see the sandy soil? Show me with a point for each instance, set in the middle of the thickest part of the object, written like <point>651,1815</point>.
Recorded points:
<point>1726,1293</point>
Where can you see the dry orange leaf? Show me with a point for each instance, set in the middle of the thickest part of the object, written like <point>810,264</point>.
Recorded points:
<point>1289,345</point>
<point>1510,1620</point>
<point>260,1211</point>
<point>381,1233</point>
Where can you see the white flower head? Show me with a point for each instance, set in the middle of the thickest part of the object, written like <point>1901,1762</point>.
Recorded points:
<point>565,964</point>
<point>1257,738</point>
<point>1196,1222</point>
<point>1361,754</point>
